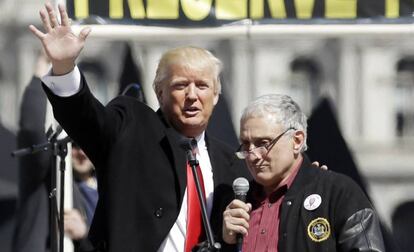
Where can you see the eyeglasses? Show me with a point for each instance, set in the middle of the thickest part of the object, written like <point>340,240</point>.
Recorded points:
<point>262,149</point>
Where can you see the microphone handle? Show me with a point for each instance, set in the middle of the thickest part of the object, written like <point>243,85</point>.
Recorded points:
<point>239,237</point>
<point>241,196</point>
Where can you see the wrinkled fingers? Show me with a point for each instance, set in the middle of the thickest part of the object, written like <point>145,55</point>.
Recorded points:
<point>239,204</point>
<point>52,16</point>
<point>237,213</point>
<point>45,20</point>
<point>64,15</point>
<point>236,224</point>
<point>36,32</point>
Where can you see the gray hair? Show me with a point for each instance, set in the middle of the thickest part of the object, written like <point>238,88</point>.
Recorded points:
<point>191,57</point>
<point>284,110</point>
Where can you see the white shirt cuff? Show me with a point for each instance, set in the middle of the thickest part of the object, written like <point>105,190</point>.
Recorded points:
<point>63,85</point>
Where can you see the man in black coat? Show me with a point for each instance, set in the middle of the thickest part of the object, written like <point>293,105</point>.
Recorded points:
<point>140,167</point>
<point>293,207</point>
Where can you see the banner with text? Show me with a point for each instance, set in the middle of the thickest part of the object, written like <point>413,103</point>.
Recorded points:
<point>208,13</point>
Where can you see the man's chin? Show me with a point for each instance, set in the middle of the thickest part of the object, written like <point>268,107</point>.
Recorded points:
<point>192,122</point>
<point>192,128</point>
<point>262,179</point>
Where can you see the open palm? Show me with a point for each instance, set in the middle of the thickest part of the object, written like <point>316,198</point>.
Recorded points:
<point>61,45</point>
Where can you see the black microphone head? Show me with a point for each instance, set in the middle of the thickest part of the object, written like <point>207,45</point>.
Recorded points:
<point>59,129</point>
<point>193,143</point>
<point>185,144</point>
<point>189,145</point>
<point>240,186</point>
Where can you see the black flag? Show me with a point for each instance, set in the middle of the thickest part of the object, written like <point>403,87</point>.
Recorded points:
<point>327,145</point>
<point>130,82</point>
<point>221,124</point>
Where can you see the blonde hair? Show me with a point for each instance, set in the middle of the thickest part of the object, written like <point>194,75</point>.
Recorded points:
<point>191,57</point>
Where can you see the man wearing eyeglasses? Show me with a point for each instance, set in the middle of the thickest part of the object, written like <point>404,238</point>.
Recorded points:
<point>293,207</point>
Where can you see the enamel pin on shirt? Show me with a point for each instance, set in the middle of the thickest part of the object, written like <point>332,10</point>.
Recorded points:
<point>312,202</point>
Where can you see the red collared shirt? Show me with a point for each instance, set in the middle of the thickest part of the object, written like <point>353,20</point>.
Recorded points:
<point>264,219</point>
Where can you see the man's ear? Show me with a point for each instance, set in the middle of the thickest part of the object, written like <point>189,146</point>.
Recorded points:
<point>298,141</point>
<point>216,98</point>
<point>160,97</point>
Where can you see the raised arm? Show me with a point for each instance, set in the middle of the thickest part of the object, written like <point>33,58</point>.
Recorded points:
<point>61,45</point>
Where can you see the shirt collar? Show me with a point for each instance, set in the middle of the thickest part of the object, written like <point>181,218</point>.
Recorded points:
<point>201,142</point>
<point>292,176</point>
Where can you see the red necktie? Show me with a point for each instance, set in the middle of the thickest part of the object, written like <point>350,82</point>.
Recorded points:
<point>194,221</point>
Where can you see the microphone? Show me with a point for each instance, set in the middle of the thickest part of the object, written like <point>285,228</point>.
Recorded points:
<point>189,146</point>
<point>240,189</point>
<point>52,135</point>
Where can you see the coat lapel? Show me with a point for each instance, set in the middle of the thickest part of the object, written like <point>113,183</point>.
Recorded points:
<point>170,144</point>
<point>302,179</point>
<point>219,163</point>
<point>178,159</point>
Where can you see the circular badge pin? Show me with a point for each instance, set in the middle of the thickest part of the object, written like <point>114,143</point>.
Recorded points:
<point>312,202</point>
<point>319,229</point>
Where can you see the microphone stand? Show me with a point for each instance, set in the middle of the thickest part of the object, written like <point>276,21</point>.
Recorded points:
<point>59,149</point>
<point>211,245</point>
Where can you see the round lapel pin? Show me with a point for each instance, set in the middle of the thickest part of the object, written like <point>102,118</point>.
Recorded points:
<point>312,202</point>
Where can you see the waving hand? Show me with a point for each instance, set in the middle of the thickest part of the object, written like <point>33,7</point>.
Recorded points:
<point>61,45</point>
